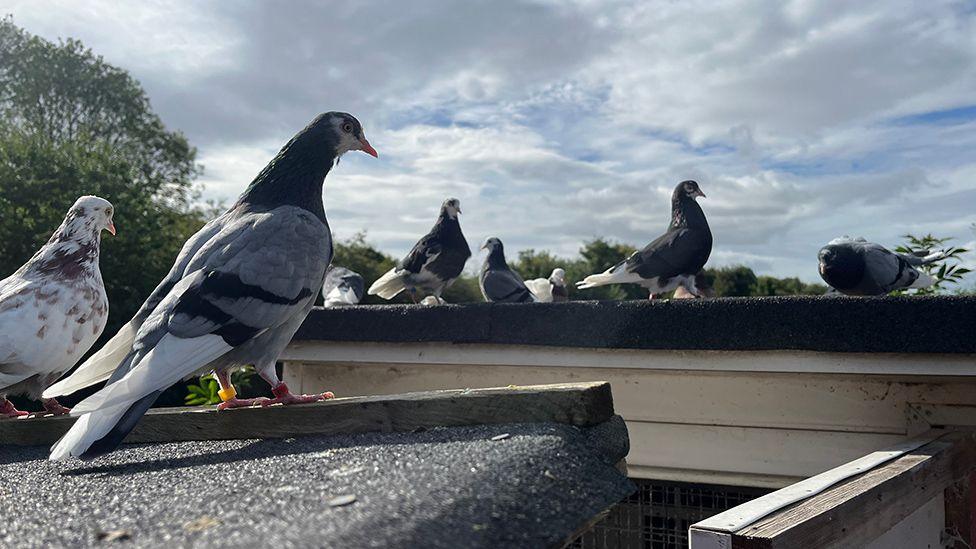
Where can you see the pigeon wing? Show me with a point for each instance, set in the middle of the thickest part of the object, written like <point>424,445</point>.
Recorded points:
<point>422,253</point>
<point>676,252</point>
<point>505,286</point>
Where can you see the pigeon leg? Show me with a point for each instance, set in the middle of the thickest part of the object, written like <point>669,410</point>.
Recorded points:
<point>228,394</point>
<point>651,297</point>
<point>7,409</point>
<point>413,295</point>
<point>52,406</point>
<point>281,392</point>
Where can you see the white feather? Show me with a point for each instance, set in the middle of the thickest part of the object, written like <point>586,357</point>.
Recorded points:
<point>99,366</point>
<point>88,429</point>
<point>388,285</point>
<point>541,289</point>
<point>341,296</point>
<point>610,276</point>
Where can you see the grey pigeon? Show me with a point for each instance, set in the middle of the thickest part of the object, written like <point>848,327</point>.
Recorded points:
<point>854,266</point>
<point>239,291</point>
<point>433,264</point>
<point>671,260</point>
<point>499,283</point>
<point>549,290</point>
<point>342,287</point>
<point>54,307</point>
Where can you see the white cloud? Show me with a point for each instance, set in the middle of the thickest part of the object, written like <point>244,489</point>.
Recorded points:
<point>555,122</point>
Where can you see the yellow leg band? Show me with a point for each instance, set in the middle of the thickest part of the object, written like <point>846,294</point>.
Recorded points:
<point>227,394</point>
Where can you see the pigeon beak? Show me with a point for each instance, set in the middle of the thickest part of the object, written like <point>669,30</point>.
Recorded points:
<point>111,228</point>
<point>459,211</point>
<point>367,148</point>
<point>701,194</point>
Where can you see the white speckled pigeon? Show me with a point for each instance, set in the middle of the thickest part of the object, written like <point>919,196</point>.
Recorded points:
<point>342,287</point>
<point>549,290</point>
<point>239,291</point>
<point>499,283</point>
<point>54,307</point>
<point>671,260</point>
<point>433,264</point>
<point>854,266</point>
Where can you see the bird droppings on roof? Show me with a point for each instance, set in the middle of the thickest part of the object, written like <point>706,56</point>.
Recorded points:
<point>445,487</point>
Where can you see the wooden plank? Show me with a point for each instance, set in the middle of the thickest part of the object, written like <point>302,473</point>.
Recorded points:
<point>748,513</point>
<point>859,510</point>
<point>581,404</point>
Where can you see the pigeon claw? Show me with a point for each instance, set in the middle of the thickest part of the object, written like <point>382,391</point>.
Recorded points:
<point>7,410</point>
<point>241,403</point>
<point>52,406</point>
<point>284,397</point>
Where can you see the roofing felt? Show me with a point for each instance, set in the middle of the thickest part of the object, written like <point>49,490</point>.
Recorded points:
<point>445,487</point>
<point>914,324</point>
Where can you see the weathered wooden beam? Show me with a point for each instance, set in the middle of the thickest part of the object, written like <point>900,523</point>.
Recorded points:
<point>858,510</point>
<point>581,404</point>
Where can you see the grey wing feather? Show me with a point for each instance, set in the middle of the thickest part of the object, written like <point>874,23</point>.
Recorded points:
<point>504,286</point>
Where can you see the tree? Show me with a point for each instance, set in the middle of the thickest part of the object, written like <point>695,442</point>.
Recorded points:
<point>735,281</point>
<point>945,271</point>
<point>70,125</point>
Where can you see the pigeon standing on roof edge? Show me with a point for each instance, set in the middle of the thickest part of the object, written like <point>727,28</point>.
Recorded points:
<point>499,283</point>
<point>54,308</point>
<point>433,264</point>
<point>342,287</point>
<point>854,266</point>
<point>238,294</point>
<point>673,258</point>
<point>549,290</point>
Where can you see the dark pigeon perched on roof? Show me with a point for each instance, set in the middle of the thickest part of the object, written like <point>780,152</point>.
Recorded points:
<point>499,283</point>
<point>342,287</point>
<point>854,266</point>
<point>671,260</point>
<point>54,307</point>
<point>239,291</point>
<point>433,264</point>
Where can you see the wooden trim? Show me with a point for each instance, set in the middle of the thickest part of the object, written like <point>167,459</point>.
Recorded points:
<point>481,354</point>
<point>580,404</point>
<point>854,512</point>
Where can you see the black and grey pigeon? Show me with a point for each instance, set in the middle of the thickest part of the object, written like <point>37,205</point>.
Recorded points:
<point>549,290</point>
<point>433,264</point>
<point>54,307</point>
<point>239,291</point>
<point>499,283</point>
<point>342,287</point>
<point>854,266</point>
<point>671,260</point>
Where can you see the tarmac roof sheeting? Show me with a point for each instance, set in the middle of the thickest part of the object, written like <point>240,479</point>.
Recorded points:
<point>913,324</point>
<point>515,485</point>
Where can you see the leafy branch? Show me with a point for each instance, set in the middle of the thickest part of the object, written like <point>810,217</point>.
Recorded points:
<point>946,270</point>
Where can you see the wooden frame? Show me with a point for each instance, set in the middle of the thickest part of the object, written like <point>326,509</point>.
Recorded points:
<point>859,509</point>
<point>580,404</point>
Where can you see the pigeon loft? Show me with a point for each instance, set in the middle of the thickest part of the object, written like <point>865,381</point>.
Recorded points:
<point>726,402</point>
<point>517,466</point>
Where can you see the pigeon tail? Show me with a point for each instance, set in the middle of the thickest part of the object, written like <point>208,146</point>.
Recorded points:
<point>924,280</point>
<point>99,366</point>
<point>618,274</point>
<point>541,289</point>
<point>388,285</point>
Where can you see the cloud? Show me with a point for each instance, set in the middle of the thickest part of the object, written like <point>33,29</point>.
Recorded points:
<point>555,122</point>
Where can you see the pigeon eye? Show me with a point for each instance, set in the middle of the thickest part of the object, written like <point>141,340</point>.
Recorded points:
<point>347,127</point>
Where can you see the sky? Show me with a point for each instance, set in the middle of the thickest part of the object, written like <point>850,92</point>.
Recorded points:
<point>555,122</point>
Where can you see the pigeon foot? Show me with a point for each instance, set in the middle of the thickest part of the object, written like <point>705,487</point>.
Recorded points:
<point>285,397</point>
<point>7,410</point>
<point>241,403</point>
<point>52,406</point>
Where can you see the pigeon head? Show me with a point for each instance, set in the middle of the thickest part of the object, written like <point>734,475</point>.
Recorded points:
<point>451,207</point>
<point>558,277</point>
<point>840,266</point>
<point>87,218</point>
<point>493,244</point>
<point>347,133</point>
<point>688,189</point>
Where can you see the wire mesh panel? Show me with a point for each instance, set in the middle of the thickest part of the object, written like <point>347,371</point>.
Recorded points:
<point>658,514</point>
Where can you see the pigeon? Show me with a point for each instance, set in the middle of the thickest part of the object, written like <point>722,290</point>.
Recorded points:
<point>53,309</point>
<point>704,290</point>
<point>499,283</point>
<point>433,264</point>
<point>549,290</point>
<point>342,287</point>
<point>854,266</point>
<point>673,258</point>
<point>237,294</point>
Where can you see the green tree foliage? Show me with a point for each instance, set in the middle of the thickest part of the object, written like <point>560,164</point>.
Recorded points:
<point>945,271</point>
<point>70,125</point>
